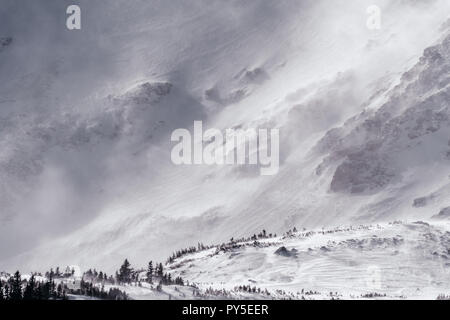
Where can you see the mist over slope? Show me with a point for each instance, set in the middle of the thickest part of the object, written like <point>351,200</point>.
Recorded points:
<point>86,177</point>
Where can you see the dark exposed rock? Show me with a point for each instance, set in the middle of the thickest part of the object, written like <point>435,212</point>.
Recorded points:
<point>443,214</point>
<point>5,42</point>
<point>282,251</point>
<point>420,202</point>
<point>148,93</point>
<point>360,175</point>
<point>257,75</point>
<point>364,152</point>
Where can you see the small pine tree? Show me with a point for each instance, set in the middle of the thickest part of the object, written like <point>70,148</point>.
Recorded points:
<point>59,291</point>
<point>16,287</point>
<point>150,272</point>
<point>160,270</point>
<point>1,291</point>
<point>125,272</point>
<point>46,290</point>
<point>159,286</point>
<point>7,296</point>
<point>29,293</point>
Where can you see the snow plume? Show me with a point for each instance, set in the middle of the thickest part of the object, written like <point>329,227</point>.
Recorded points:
<point>86,117</point>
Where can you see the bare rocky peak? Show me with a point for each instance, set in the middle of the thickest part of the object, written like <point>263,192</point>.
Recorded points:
<point>365,151</point>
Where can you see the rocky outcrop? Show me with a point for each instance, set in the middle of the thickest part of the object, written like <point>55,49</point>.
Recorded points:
<point>367,152</point>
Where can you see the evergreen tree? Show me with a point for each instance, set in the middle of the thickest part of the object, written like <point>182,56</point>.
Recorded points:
<point>29,293</point>
<point>53,289</point>
<point>125,272</point>
<point>59,291</point>
<point>160,270</point>
<point>7,296</point>
<point>16,287</point>
<point>46,290</point>
<point>150,272</point>
<point>1,291</point>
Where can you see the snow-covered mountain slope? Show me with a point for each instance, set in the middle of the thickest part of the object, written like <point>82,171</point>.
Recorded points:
<point>86,118</point>
<point>392,260</point>
<point>395,260</point>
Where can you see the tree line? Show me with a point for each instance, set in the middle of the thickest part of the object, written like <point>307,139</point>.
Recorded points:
<point>16,288</point>
<point>154,273</point>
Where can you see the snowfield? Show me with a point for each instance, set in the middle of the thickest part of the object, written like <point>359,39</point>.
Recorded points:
<point>397,260</point>
<point>393,261</point>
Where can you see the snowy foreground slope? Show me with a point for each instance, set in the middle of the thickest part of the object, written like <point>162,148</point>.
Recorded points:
<point>395,260</point>
<point>364,121</point>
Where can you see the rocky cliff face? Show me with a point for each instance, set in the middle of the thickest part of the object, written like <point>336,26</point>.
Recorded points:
<point>374,148</point>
